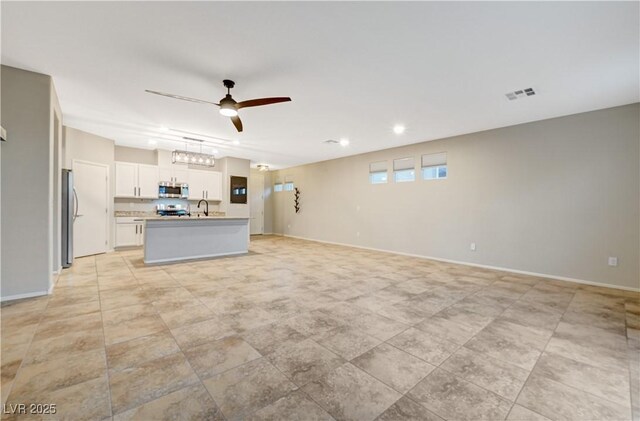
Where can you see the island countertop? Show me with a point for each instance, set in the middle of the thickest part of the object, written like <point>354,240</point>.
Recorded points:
<point>172,239</point>
<point>188,218</point>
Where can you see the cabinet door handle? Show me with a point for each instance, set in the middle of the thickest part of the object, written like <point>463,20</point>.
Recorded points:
<point>207,194</point>
<point>136,229</point>
<point>140,229</point>
<point>134,191</point>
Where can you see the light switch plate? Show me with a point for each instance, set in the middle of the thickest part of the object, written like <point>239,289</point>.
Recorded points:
<point>472,247</point>
<point>613,261</point>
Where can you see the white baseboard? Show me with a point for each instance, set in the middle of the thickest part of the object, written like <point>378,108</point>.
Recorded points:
<point>27,295</point>
<point>459,262</point>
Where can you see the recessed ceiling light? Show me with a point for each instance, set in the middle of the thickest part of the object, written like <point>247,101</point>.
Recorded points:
<point>235,142</point>
<point>344,142</point>
<point>153,142</point>
<point>398,129</point>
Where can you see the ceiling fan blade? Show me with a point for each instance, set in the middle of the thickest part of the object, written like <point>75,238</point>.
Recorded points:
<point>184,98</point>
<point>262,101</point>
<point>237,122</point>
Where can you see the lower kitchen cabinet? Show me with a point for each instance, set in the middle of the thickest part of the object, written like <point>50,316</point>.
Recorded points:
<point>129,233</point>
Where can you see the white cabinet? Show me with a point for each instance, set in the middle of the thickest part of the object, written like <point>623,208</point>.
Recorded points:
<point>136,180</point>
<point>205,185</point>
<point>126,179</point>
<point>174,174</point>
<point>129,232</point>
<point>213,186</point>
<point>148,181</point>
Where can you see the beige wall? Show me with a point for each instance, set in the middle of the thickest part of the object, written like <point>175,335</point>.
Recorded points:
<point>139,156</point>
<point>555,197</point>
<point>26,183</point>
<point>87,147</point>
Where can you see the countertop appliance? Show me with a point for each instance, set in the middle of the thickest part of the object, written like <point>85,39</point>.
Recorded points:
<point>69,211</point>
<point>172,210</point>
<point>168,189</point>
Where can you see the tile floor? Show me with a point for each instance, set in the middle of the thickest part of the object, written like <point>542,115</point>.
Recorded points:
<point>306,331</point>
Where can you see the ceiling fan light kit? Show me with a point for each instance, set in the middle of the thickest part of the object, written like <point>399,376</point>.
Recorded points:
<point>228,106</point>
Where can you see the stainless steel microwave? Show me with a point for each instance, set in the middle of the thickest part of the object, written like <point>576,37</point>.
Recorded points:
<point>167,189</point>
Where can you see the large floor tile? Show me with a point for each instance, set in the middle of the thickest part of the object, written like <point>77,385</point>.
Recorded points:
<point>394,367</point>
<point>216,357</point>
<point>427,347</point>
<point>139,350</point>
<point>305,361</point>
<point>266,339</point>
<point>557,401</point>
<point>520,413</point>
<point>202,332</point>
<point>191,403</point>
<point>504,349</point>
<point>149,380</point>
<point>349,393</point>
<point>347,341</point>
<point>72,343</point>
<point>407,410</point>
<point>48,376</point>
<point>248,388</point>
<point>453,398</point>
<point>125,323</point>
<point>498,376</point>
<point>294,407</point>
<point>602,382</point>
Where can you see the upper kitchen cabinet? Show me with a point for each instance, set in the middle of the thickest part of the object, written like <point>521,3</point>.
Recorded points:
<point>205,185</point>
<point>136,180</point>
<point>174,174</point>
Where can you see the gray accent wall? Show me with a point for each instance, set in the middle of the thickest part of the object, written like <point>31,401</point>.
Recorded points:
<point>26,183</point>
<point>554,197</point>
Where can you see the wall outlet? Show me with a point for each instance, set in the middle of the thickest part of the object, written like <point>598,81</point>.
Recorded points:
<point>472,247</point>
<point>613,261</point>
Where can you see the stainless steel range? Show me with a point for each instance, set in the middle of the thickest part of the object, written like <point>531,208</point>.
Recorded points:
<point>173,210</point>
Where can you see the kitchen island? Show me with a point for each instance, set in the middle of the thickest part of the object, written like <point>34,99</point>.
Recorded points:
<point>173,239</point>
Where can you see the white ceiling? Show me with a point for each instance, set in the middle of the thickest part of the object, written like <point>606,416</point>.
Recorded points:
<point>353,69</point>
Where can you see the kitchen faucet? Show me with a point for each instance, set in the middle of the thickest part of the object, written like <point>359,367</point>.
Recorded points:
<point>206,209</point>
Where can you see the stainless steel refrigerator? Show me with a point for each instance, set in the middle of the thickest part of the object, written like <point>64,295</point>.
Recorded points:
<point>69,203</point>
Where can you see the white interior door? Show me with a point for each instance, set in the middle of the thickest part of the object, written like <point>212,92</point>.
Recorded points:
<point>256,203</point>
<point>90,227</point>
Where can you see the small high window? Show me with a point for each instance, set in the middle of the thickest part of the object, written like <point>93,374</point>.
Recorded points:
<point>277,187</point>
<point>404,170</point>
<point>288,186</point>
<point>378,172</point>
<point>434,166</point>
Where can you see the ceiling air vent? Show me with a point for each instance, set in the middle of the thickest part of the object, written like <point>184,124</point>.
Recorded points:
<point>521,93</point>
<point>330,142</point>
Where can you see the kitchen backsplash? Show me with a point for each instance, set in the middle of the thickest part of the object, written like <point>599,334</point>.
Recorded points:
<point>134,207</point>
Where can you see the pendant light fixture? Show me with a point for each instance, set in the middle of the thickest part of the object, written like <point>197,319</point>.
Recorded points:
<point>192,158</point>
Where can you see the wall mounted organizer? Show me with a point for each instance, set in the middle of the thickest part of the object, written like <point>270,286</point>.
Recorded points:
<point>296,205</point>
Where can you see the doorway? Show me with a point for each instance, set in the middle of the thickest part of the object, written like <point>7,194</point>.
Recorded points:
<point>256,203</point>
<point>91,222</point>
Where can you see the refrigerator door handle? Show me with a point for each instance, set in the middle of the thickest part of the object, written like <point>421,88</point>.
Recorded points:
<point>76,205</point>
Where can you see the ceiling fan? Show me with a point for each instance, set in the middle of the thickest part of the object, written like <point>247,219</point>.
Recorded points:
<point>228,106</point>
